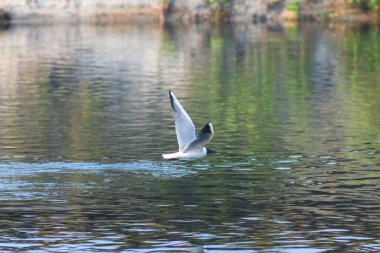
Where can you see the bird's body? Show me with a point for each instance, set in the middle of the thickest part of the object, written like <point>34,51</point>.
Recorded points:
<point>186,156</point>
<point>191,146</point>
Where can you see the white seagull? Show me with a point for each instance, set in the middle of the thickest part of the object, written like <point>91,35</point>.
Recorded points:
<point>191,146</point>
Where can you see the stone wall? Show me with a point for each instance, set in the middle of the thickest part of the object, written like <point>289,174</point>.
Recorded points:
<point>42,11</point>
<point>111,11</point>
<point>76,11</point>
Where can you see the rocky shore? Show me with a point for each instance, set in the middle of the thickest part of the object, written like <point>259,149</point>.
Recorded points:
<point>153,11</point>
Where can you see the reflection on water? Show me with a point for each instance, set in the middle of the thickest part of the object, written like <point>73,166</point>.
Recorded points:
<point>85,117</point>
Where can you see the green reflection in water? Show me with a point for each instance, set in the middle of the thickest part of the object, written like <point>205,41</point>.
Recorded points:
<point>296,122</point>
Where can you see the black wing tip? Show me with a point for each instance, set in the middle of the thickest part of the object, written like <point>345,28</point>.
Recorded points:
<point>207,129</point>
<point>171,99</point>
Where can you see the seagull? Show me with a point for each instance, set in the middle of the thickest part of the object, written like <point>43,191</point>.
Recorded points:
<point>191,146</point>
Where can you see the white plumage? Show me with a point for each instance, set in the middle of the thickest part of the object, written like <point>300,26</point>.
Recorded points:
<point>191,146</point>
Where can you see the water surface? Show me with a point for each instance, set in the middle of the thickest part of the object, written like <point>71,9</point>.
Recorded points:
<point>85,117</point>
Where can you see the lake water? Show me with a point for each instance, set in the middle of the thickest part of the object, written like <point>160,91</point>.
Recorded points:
<point>85,117</point>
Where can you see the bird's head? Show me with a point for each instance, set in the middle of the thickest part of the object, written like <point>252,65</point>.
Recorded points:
<point>210,151</point>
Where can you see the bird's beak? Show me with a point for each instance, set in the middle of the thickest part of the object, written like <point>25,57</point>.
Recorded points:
<point>210,151</point>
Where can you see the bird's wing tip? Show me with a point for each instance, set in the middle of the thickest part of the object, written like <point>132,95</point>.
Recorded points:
<point>171,95</point>
<point>208,128</point>
<point>211,128</point>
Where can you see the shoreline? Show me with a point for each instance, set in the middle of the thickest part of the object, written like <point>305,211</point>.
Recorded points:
<point>177,12</point>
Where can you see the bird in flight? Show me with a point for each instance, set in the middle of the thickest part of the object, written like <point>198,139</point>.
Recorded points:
<point>191,146</point>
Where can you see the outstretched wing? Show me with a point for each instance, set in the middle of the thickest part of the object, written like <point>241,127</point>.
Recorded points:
<point>184,126</point>
<point>202,139</point>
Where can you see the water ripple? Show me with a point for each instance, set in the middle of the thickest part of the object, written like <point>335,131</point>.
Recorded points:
<point>8,169</point>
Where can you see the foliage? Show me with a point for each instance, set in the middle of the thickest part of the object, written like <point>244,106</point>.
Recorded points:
<point>294,6</point>
<point>216,1</point>
<point>366,4</point>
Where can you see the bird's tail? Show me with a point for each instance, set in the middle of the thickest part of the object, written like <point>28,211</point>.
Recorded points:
<point>171,156</point>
